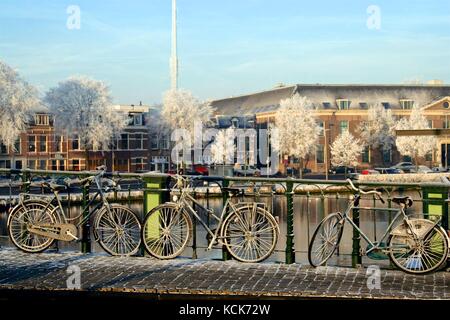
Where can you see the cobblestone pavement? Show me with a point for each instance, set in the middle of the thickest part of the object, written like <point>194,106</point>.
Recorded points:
<point>100,273</point>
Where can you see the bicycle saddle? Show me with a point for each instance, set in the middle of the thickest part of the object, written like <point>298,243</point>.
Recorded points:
<point>406,200</point>
<point>234,191</point>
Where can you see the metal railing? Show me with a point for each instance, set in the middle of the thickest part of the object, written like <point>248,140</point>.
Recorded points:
<point>296,198</point>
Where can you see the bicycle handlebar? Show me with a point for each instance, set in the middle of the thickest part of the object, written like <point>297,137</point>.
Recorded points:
<point>377,193</point>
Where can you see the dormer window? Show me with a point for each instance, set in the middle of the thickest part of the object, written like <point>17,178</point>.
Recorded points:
<point>135,119</point>
<point>343,104</point>
<point>406,104</point>
<point>386,105</point>
<point>326,105</point>
<point>363,105</point>
<point>235,122</point>
<point>41,119</point>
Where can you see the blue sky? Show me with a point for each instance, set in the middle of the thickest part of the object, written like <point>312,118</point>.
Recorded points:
<point>225,47</point>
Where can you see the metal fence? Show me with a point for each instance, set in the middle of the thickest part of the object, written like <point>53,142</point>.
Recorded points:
<point>298,204</point>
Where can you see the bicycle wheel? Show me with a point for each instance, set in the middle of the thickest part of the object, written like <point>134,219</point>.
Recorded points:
<point>325,239</point>
<point>166,231</point>
<point>418,249</point>
<point>250,233</point>
<point>30,213</point>
<point>118,230</point>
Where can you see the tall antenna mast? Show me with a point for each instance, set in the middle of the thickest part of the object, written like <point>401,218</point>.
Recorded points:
<point>174,56</point>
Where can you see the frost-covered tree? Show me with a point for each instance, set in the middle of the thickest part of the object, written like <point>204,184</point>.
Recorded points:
<point>82,108</point>
<point>415,146</point>
<point>345,150</point>
<point>223,148</point>
<point>378,132</point>
<point>183,112</point>
<point>298,129</point>
<point>17,100</point>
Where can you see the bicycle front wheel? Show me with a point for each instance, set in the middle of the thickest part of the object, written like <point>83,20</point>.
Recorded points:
<point>118,231</point>
<point>325,239</point>
<point>423,252</point>
<point>30,213</point>
<point>166,231</point>
<point>250,234</point>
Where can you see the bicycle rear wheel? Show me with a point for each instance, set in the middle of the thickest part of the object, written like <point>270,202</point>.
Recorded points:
<point>166,231</point>
<point>250,233</point>
<point>30,213</point>
<point>118,231</point>
<point>325,239</point>
<point>421,254</point>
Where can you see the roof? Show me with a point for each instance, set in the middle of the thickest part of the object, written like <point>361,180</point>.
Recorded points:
<point>324,96</point>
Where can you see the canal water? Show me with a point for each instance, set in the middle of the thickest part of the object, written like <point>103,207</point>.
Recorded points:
<point>308,212</point>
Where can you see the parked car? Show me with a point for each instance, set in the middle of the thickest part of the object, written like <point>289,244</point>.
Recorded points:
<point>369,171</point>
<point>404,166</point>
<point>440,169</point>
<point>391,170</point>
<point>246,171</point>
<point>342,170</point>
<point>421,169</point>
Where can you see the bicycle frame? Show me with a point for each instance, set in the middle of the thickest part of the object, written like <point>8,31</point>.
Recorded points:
<point>185,199</point>
<point>354,204</point>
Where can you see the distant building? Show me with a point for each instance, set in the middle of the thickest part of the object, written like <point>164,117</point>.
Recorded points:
<point>41,147</point>
<point>344,107</point>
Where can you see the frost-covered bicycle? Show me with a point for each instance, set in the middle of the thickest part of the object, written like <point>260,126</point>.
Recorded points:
<point>247,230</point>
<point>415,245</point>
<point>34,224</point>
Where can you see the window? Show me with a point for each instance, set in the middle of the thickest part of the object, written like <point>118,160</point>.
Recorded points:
<point>154,141</point>
<point>3,149</point>
<point>164,142</point>
<point>386,105</point>
<point>137,142</point>
<point>429,156</point>
<point>320,153</point>
<point>5,164</point>
<point>136,119</point>
<point>365,156</point>
<point>76,164</point>
<point>407,159</point>
<point>343,126</point>
<point>41,119</point>
<point>42,143</point>
<point>75,143</point>
<point>31,164</point>
<point>446,104</point>
<point>321,126</point>
<point>123,144</point>
<point>17,146</point>
<point>387,156</point>
<point>430,124</point>
<point>343,104</point>
<point>19,164</point>
<point>42,164</point>
<point>32,144</point>
<point>326,105</point>
<point>363,105</point>
<point>58,143</point>
<point>406,104</point>
<point>445,124</point>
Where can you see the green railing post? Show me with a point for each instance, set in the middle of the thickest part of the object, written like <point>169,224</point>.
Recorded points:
<point>86,230</point>
<point>435,205</point>
<point>290,250</point>
<point>225,254</point>
<point>356,255</point>
<point>156,192</point>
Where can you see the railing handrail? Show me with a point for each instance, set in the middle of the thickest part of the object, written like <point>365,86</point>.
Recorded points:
<point>232,178</point>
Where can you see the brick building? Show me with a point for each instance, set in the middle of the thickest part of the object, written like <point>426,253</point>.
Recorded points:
<point>41,147</point>
<point>344,107</point>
